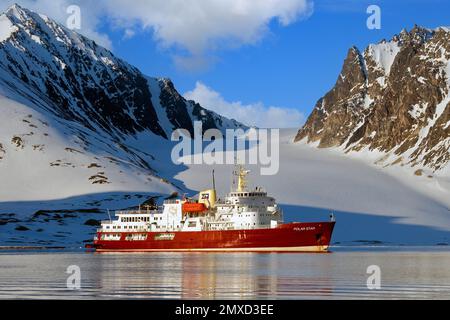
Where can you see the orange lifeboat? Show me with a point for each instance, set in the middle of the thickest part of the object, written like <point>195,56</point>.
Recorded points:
<point>194,207</point>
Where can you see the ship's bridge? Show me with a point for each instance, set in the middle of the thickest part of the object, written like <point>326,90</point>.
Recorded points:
<point>255,198</point>
<point>248,194</point>
<point>244,208</point>
<point>242,195</point>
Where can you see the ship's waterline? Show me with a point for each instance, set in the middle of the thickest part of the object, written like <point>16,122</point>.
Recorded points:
<point>255,249</point>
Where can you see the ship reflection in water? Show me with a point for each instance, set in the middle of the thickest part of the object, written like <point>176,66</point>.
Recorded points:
<point>210,276</point>
<point>246,276</point>
<point>405,274</point>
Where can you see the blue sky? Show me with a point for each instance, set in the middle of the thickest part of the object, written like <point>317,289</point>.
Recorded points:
<point>289,63</point>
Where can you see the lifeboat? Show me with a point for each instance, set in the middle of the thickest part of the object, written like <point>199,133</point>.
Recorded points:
<point>194,207</point>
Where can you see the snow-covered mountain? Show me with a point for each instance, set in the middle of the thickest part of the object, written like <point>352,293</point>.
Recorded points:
<point>391,104</point>
<point>81,131</point>
<point>75,119</point>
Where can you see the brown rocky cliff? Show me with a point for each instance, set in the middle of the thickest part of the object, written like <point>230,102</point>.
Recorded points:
<point>392,98</point>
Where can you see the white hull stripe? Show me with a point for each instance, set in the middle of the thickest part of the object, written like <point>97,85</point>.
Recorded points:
<point>262,249</point>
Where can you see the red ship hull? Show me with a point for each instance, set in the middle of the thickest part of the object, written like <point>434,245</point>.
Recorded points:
<point>300,237</point>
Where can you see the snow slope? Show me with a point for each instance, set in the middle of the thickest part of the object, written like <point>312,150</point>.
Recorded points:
<point>6,28</point>
<point>43,161</point>
<point>384,54</point>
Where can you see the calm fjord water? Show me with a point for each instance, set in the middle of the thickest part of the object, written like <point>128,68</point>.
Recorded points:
<point>405,274</point>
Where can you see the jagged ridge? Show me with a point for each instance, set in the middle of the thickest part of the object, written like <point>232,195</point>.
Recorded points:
<point>394,98</point>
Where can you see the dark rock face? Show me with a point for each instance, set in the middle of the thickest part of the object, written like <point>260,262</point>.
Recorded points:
<point>393,97</point>
<point>175,106</point>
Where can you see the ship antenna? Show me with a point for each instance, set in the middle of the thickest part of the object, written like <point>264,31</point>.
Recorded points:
<point>233,181</point>
<point>109,215</point>
<point>213,180</point>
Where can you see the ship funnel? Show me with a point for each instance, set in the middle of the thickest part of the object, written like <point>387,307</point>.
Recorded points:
<point>208,198</point>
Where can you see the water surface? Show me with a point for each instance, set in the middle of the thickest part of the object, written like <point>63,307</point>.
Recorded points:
<point>406,273</point>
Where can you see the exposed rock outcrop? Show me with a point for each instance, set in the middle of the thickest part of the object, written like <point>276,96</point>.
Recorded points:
<point>393,97</point>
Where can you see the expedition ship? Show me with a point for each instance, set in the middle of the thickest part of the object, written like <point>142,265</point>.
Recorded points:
<point>245,220</point>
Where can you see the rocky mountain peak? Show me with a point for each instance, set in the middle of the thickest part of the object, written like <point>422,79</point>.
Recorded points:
<point>417,35</point>
<point>15,11</point>
<point>393,98</point>
<point>353,69</point>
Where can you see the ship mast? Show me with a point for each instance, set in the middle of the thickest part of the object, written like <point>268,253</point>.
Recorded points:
<point>242,178</point>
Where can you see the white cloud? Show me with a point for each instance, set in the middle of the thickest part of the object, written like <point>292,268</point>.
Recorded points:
<point>196,27</point>
<point>203,27</point>
<point>254,114</point>
<point>129,33</point>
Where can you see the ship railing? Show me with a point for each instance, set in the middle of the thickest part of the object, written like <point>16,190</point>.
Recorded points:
<point>135,230</point>
<point>123,230</point>
<point>223,225</point>
<point>223,204</point>
<point>221,221</point>
<point>143,211</point>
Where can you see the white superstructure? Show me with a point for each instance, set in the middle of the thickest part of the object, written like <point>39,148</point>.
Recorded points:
<point>240,209</point>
